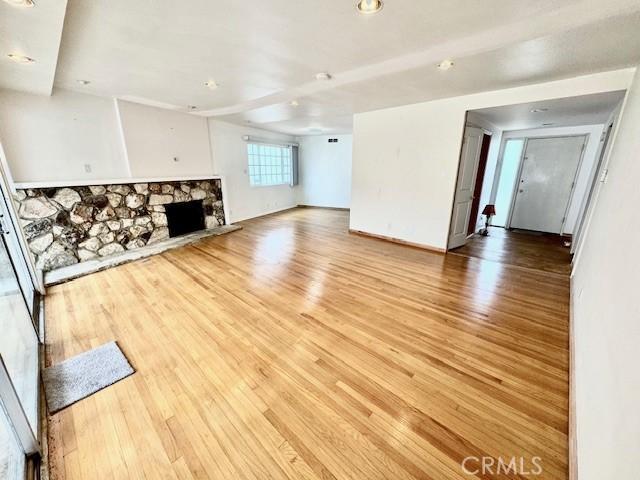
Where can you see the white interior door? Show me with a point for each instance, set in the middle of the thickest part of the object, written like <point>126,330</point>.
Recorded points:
<point>466,184</point>
<point>549,168</point>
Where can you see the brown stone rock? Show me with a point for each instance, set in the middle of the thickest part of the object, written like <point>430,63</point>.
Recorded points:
<point>159,219</point>
<point>19,195</point>
<point>211,222</point>
<point>93,244</point>
<point>158,235</point>
<point>123,238</point>
<point>98,201</point>
<point>123,212</point>
<point>85,255</point>
<point>56,256</point>
<point>134,200</point>
<point>144,221</point>
<point>37,228</point>
<point>198,194</point>
<point>121,189</point>
<point>115,199</point>
<point>71,236</point>
<point>36,208</point>
<point>98,229</point>
<point>137,230</point>
<point>81,213</point>
<point>136,243</point>
<point>142,188</point>
<point>160,199</point>
<point>114,225</point>
<point>40,244</point>
<point>107,238</point>
<point>110,249</point>
<point>106,213</point>
<point>180,196</point>
<point>67,197</point>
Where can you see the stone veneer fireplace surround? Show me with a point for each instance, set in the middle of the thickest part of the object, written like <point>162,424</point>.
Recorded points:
<point>66,224</point>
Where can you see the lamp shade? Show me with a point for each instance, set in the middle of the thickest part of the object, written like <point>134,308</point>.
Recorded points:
<point>489,210</point>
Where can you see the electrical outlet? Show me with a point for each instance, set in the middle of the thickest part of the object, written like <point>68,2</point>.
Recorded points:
<point>87,168</point>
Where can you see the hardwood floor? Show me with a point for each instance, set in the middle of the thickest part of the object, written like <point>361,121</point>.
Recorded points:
<point>544,252</point>
<point>292,349</point>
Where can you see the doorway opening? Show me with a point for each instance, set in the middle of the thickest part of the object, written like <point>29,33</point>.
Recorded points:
<point>542,164</point>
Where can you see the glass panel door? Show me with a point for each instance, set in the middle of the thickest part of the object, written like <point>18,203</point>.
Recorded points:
<point>18,341</point>
<point>18,373</point>
<point>17,255</point>
<point>507,181</point>
<point>12,457</point>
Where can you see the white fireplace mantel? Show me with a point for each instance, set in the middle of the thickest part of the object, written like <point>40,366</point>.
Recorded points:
<point>111,181</point>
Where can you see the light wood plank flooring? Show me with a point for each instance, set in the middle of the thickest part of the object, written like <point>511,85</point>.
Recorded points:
<point>539,251</point>
<point>292,349</point>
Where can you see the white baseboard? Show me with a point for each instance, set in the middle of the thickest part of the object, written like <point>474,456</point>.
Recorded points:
<point>262,214</point>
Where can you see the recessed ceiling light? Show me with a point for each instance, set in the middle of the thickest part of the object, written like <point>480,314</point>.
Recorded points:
<point>16,57</point>
<point>211,84</point>
<point>445,64</point>
<point>20,3</point>
<point>83,82</point>
<point>323,76</point>
<point>294,103</point>
<point>368,7</point>
<point>538,110</point>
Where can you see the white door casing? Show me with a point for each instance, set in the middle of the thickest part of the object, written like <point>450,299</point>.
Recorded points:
<point>544,188</point>
<point>469,157</point>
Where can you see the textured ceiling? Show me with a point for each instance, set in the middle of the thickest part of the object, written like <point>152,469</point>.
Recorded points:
<point>560,112</point>
<point>34,32</point>
<point>263,54</point>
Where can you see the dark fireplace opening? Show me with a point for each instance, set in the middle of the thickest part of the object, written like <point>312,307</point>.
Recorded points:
<point>184,217</point>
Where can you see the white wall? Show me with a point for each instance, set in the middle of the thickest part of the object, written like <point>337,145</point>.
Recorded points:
<point>325,171</point>
<point>585,208</point>
<point>405,159</point>
<point>585,172</point>
<point>230,160</point>
<point>154,137</point>
<point>606,314</point>
<point>53,138</point>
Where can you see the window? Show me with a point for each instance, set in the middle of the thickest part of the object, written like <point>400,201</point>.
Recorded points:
<point>507,180</point>
<point>269,164</point>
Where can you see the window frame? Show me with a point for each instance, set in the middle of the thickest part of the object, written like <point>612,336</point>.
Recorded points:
<point>267,163</point>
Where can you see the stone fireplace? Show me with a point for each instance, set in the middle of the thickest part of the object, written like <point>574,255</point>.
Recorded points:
<point>72,224</point>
